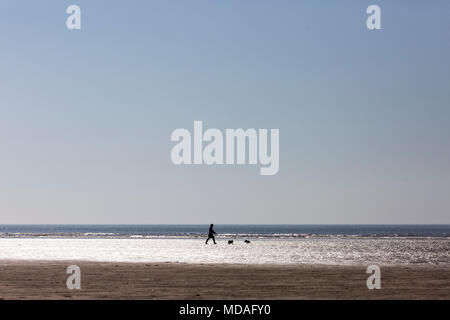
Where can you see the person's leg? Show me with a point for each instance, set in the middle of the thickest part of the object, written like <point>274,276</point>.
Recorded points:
<point>207,240</point>
<point>214,239</point>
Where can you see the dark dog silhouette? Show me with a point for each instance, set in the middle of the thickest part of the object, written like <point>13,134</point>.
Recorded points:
<point>247,241</point>
<point>230,241</point>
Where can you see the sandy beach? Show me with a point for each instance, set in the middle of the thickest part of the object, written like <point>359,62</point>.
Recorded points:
<point>109,280</point>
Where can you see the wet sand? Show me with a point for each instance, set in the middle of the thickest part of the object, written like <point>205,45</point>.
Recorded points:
<point>47,280</point>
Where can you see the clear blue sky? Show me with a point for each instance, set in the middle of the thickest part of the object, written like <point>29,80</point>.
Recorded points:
<point>86,116</point>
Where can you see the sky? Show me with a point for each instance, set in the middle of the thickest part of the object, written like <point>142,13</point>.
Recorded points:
<point>86,115</point>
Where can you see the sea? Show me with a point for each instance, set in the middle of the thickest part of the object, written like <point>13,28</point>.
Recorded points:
<point>268,244</point>
<point>226,230</point>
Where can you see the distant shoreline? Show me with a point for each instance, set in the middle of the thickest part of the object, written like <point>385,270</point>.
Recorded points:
<point>223,238</point>
<point>291,231</point>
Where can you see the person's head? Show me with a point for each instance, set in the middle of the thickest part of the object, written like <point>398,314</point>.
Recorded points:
<point>211,225</point>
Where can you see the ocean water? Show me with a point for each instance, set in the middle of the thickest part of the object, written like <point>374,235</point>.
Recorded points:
<point>225,231</point>
<point>383,251</point>
<point>289,244</point>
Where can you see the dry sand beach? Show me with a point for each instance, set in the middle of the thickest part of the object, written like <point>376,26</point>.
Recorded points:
<point>280,262</point>
<point>109,280</point>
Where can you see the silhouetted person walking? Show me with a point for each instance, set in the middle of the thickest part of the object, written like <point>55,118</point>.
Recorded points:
<point>211,234</point>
